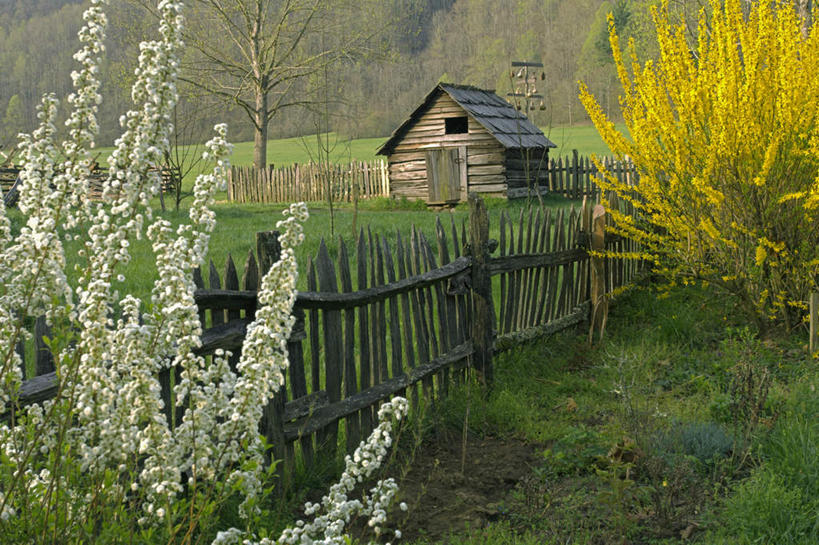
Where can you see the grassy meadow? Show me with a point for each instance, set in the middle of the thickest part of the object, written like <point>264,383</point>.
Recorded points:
<point>287,151</point>
<point>237,225</point>
<point>681,426</point>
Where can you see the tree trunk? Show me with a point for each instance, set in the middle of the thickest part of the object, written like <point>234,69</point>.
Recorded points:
<point>805,10</point>
<point>260,132</point>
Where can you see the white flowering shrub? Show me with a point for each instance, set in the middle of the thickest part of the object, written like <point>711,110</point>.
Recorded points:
<point>100,462</point>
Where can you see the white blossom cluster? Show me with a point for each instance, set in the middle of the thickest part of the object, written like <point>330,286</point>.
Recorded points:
<point>336,509</point>
<point>108,418</point>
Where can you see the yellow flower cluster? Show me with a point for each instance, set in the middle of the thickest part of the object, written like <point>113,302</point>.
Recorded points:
<point>724,132</point>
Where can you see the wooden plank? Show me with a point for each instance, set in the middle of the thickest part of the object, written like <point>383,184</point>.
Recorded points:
<point>382,314</point>
<point>521,262</point>
<point>399,157</point>
<point>483,319</point>
<point>20,348</point>
<point>337,301</point>
<point>517,276</point>
<point>314,329</point>
<point>461,301</point>
<point>396,168</point>
<point>44,359</point>
<point>450,309</point>
<point>200,284</point>
<point>365,354</point>
<point>376,322</point>
<point>217,315</point>
<point>268,248</point>
<point>443,315</point>
<point>516,338</point>
<point>565,290</point>
<point>531,291</point>
<point>406,317</point>
<point>424,294</point>
<point>332,339</point>
<point>232,284</point>
<point>298,382</point>
<point>463,176</point>
<point>480,159</point>
<point>486,170</point>
<point>396,366</point>
<point>541,227</point>
<point>554,271</point>
<point>370,397</point>
<point>545,247</point>
<point>353,422</point>
<point>502,327</point>
<point>421,333</point>
<point>410,177</point>
<point>526,274</point>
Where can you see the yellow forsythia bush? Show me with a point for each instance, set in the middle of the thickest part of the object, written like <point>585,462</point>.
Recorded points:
<point>725,135</point>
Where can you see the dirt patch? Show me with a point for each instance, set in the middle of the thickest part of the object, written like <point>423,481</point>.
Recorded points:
<point>443,499</point>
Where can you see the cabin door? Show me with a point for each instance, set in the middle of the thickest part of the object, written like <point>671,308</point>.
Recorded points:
<point>446,174</point>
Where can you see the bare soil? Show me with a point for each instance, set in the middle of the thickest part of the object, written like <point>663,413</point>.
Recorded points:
<point>447,492</point>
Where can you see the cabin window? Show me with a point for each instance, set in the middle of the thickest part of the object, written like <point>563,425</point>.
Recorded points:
<point>456,125</point>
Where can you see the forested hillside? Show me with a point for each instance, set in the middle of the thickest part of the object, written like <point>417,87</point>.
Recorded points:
<point>363,94</point>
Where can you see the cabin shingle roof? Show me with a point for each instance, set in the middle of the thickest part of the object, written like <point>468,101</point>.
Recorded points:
<point>509,126</point>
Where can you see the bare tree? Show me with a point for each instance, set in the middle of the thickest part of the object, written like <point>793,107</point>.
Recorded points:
<point>256,54</point>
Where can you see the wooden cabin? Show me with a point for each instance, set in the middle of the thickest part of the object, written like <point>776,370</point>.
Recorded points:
<point>462,139</point>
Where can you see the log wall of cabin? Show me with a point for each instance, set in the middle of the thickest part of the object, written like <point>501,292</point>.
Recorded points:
<point>485,155</point>
<point>516,171</point>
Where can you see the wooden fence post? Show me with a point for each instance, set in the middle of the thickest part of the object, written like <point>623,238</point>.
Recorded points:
<point>44,362</point>
<point>575,175</point>
<point>599,300</point>
<point>269,250</point>
<point>483,318</point>
<point>814,322</point>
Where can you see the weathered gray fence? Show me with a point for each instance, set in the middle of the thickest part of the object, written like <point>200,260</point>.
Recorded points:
<point>381,319</point>
<point>9,175</point>
<point>309,182</point>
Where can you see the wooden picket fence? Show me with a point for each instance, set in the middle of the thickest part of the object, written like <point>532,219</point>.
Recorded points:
<point>383,318</point>
<point>309,182</point>
<point>572,177</point>
<point>576,177</point>
<point>9,175</point>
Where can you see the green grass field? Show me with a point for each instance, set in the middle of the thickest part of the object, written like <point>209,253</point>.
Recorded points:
<point>237,225</point>
<point>584,138</point>
<point>302,149</point>
<point>286,151</point>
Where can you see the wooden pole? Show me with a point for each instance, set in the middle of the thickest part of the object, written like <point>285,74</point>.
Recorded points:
<point>483,323</point>
<point>599,301</point>
<point>814,322</point>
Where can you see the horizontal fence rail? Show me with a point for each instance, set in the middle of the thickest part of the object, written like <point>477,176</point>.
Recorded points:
<point>10,176</point>
<point>381,318</point>
<point>309,182</point>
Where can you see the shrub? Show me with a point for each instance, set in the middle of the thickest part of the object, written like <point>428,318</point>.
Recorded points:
<point>724,133</point>
<point>101,462</point>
